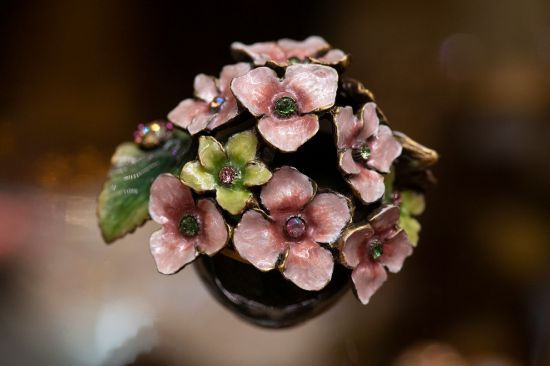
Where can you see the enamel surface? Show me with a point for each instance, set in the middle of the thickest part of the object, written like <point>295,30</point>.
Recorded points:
<point>205,87</point>
<point>308,265</point>
<point>368,184</point>
<point>287,191</point>
<point>214,233</point>
<point>255,90</point>
<point>367,279</point>
<point>256,240</point>
<point>169,199</point>
<point>327,215</point>
<point>353,250</point>
<point>384,150</point>
<point>396,250</point>
<point>288,134</point>
<point>315,86</point>
<point>171,250</point>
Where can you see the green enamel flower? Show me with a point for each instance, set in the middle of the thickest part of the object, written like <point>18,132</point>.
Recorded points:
<point>229,171</point>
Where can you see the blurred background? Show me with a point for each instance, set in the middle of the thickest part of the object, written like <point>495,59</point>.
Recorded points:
<point>469,78</point>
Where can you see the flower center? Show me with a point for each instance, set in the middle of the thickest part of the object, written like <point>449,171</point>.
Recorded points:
<point>294,60</point>
<point>362,153</point>
<point>376,249</point>
<point>227,175</point>
<point>286,107</point>
<point>216,104</point>
<point>295,227</point>
<point>189,225</point>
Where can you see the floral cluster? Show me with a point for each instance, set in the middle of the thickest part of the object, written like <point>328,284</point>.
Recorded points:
<point>232,198</point>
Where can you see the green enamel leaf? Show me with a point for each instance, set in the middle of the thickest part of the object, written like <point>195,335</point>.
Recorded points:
<point>412,202</point>
<point>411,227</point>
<point>194,175</point>
<point>233,200</point>
<point>255,173</point>
<point>211,153</point>
<point>241,147</point>
<point>123,202</point>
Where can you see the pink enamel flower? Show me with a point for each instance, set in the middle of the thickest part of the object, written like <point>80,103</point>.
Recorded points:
<point>187,228</point>
<point>213,105</point>
<point>286,107</point>
<point>369,248</point>
<point>366,150</point>
<point>288,51</point>
<point>289,236</point>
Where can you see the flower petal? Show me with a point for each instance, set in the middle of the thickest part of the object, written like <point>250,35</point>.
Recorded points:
<point>355,242</point>
<point>214,233</point>
<point>233,200</point>
<point>230,72</point>
<point>347,163</point>
<point>367,278</point>
<point>211,153</point>
<point>384,150</point>
<point>200,122</point>
<point>241,147</point>
<point>288,134</point>
<point>370,121</point>
<point>327,215</point>
<point>171,250</point>
<point>315,86</point>
<point>205,87</point>
<point>347,127</point>
<point>255,89</point>
<point>396,250</point>
<point>368,185</point>
<point>332,57</point>
<point>308,265</point>
<point>255,173</point>
<point>385,218</point>
<point>185,111</point>
<point>287,191</point>
<point>260,52</point>
<point>256,240</point>
<point>169,199</point>
<point>194,175</point>
<point>302,49</point>
<point>227,112</point>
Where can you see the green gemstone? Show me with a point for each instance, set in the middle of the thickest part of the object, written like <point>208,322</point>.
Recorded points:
<point>362,153</point>
<point>376,250</point>
<point>286,107</point>
<point>189,225</point>
<point>294,60</point>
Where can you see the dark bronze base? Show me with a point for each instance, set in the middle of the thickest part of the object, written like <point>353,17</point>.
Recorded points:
<point>267,299</point>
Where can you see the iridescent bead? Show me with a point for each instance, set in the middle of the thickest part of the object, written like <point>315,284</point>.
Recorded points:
<point>295,227</point>
<point>216,104</point>
<point>152,134</point>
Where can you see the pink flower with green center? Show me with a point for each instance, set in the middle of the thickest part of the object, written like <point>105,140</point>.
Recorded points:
<point>213,105</point>
<point>286,108</point>
<point>188,228</point>
<point>366,150</point>
<point>369,248</point>
<point>288,236</point>
<point>286,51</point>
<point>229,171</point>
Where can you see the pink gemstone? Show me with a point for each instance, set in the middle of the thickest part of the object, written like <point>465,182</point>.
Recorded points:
<point>295,227</point>
<point>227,175</point>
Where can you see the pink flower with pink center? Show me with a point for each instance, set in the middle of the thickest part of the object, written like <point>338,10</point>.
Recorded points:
<point>288,236</point>
<point>288,51</point>
<point>369,248</point>
<point>286,108</point>
<point>213,105</point>
<point>366,149</point>
<point>187,228</point>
